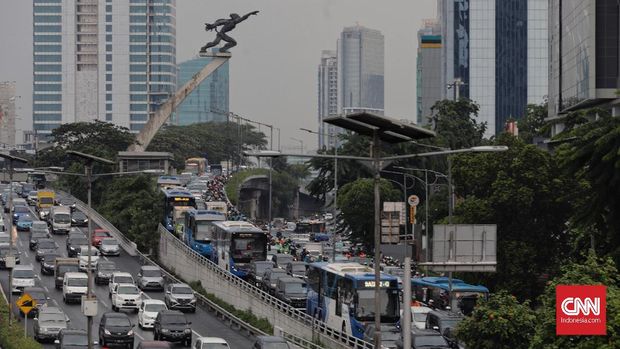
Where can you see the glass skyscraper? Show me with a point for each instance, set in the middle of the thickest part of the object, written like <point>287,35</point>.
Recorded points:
<point>209,101</point>
<point>498,49</point>
<point>328,96</point>
<point>109,60</point>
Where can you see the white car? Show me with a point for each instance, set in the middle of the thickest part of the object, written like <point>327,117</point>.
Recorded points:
<point>418,316</point>
<point>148,312</point>
<point>210,343</point>
<point>126,296</point>
<point>83,256</point>
<point>23,276</point>
<point>119,277</point>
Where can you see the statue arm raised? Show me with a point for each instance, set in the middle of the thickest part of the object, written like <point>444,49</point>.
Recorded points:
<point>248,15</point>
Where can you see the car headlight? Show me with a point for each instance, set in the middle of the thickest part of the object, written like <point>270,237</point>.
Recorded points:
<point>193,300</point>
<point>130,333</point>
<point>187,330</point>
<point>106,332</point>
<point>165,330</point>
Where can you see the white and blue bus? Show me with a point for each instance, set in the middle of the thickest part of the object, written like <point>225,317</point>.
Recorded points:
<point>199,231</point>
<point>464,296</point>
<point>237,244</point>
<point>175,197</point>
<point>343,296</point>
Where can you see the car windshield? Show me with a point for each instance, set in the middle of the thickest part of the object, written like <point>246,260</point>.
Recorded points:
<point>101,234</point>
<point>23,273</point>
<point>79,241</point>
<point>109,242</point>
<point>419,317</point>
<point>77,282</point>
<point>296,288</point>
<point>21,209</point>
<point>46,244</point>
<point>175,319</point>
<point>261,267</point>
<point>118,322</point>
<point>154,308</point>
<point>62,218</point>
<point>25,218</point>
<point>38,295</point>
<point>52,317</point>
<point>429,341</point>
<point>5,251</point>
<point>182,290</point>
<point>123,279</point>
<point>75,339</point>
<point>79,215</point>
<point>128,290</point>
<point>365,309</point>
<point>284,260</point>
<point>50,258</point>
<point>33,193</point>
<point>151,273</point>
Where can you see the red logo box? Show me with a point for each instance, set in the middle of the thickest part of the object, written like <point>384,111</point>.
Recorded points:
<point>580,310</point>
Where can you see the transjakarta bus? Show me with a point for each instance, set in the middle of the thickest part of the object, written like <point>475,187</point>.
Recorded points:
<point>343,296</point>
<point>237,244</point>
<point>464,297</point>
<point>197,166</point>
<point>175,197</point>
<point>167,182</point>
<point>199,230</point>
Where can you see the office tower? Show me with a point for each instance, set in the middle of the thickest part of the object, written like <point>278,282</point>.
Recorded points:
<point>209,101</point>
<point>109,60</point>
<point>429,78</point>
<point>360,70</point>
<point>497,51</point>
<point>328,96</point>
<point>7,114</point>
<point>584,42</point>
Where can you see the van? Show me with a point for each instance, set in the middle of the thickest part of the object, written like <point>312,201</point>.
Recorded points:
<point>74,287</point>
<point>60,218</point>
<point>23,276</point>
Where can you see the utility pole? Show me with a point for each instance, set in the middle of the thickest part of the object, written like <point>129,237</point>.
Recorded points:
<point>456,85</point>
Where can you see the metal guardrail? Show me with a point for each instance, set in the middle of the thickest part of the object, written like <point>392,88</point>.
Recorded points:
<point>319,328</point>
<point>203,302</point>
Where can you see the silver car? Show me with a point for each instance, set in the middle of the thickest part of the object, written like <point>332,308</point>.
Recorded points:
<point>49,323</point>
<point>109,247</point>
<point>151,278</point>
<point>181,297</point>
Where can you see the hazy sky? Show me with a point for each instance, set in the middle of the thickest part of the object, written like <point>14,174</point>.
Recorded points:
<point>273,71</point>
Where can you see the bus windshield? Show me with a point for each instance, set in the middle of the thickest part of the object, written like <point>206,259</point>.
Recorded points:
<point>246,249</point>
<point>204,232</point>
<point>365,308</point>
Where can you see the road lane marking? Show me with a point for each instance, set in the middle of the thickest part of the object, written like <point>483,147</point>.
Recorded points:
<point>26,253</point>
<point>138,335</point>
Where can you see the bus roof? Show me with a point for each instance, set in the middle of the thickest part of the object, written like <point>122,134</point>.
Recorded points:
<point>444,283</point>
<point>207,215</point>
<point>233,226</point>
<point>355,270</point>
<point>177,192</point>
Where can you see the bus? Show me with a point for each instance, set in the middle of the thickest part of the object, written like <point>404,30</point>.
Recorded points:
<point>216,169</point>
<point>464,296</point>
<point>197,166</point>
<point>236,245</point>
<point>199,230</point>
<point>343,296</point>
<point>38,179</point>
<point>167,182</point>
<point>175,197</point>
<point>310,226</point>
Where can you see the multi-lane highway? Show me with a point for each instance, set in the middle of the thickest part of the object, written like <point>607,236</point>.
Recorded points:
<point>203,323</point>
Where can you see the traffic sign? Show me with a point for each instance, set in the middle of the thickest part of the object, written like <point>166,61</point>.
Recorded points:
<point>413,200</point>
<point>26,303</point>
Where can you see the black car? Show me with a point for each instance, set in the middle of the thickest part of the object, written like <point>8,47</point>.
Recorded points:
<point>172,326</point>
<point>40,297</point>
<point>73,244</point>
<point>45,246</point>
<point>71,339</point>
<point>48,263</point>
<point>270,342</point>
<point>116,329</point>
<point>444,322</point>
<point>257,269</point>
<point>34,238</point>
<point>103,272</point>
<point>79,219</point>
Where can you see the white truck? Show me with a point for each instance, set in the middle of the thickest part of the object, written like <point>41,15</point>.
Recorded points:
<point>74,287</point>
<point>60,218</point>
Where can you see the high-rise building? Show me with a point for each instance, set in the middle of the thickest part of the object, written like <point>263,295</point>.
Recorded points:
<point>361,70</point>
<point>498,51</point>
<point>7,114</point>
<point>109,60</point>
<point>328,96</point>
<point>429,78</point>
<point>209,101</point>
<point>584,69</point>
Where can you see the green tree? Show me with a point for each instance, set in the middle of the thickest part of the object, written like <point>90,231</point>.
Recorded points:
<point>501,322</point>
<point>533,124</point>
<point>356,201</point>
<point>135,206</point>
<point>519,190</point>
<point>456,125</point>
<point>588,270</point>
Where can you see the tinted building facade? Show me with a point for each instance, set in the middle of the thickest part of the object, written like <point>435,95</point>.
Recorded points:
<point>327,97</point>
<point>585,59</point>
<point>209,101</point>
<point>429,77</point>
<point>102,60</point>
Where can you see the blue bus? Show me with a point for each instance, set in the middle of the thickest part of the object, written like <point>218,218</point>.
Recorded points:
<point>175,197</point>
<point>237,244</point>
<point>343,296</point>
<point>464,296</point>
<point>199,231</point>
<point>167,182</point>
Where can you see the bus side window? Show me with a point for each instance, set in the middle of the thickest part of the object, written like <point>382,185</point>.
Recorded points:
<point>339,297</point>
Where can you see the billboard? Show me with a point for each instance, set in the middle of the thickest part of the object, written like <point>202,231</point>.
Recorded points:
<point>464,247</point>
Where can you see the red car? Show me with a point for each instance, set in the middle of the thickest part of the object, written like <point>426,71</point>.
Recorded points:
<point>98,235</point>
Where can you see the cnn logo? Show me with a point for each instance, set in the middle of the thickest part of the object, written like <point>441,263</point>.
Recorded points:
<point>573,306</point>
<point>580,310</point>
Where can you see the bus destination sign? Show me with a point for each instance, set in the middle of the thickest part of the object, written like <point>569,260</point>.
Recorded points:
<point>181,199</point>
<point>371,284</point>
